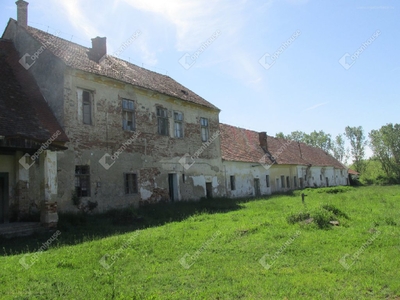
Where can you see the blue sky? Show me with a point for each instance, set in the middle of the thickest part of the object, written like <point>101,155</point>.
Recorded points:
<point>301,85</point>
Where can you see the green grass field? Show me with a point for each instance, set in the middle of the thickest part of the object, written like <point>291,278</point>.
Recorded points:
<point>218,249</point>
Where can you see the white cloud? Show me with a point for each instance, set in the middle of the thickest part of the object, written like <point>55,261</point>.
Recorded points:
<point>316,106</point>
<point>195,21</point>
<point>77,18</point>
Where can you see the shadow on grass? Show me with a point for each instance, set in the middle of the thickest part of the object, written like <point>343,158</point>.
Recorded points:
<point>79,228</point>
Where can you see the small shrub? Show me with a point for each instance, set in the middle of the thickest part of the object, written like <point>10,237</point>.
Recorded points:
<point>295,218</point>
<point>336,211</point>
<point>334,190</point>
<point>322,217</point>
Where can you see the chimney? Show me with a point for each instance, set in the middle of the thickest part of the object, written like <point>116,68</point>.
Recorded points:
<point>99,49</point>
<point>22,13</point>
<point>262,136</point>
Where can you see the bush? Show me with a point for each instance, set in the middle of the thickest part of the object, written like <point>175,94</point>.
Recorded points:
<point>322,217</point>
<point>336,211</point>
<point>301,216</point>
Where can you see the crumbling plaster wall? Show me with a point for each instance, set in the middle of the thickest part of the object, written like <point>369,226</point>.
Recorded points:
<point>151,156</point>
<point>245,173</point>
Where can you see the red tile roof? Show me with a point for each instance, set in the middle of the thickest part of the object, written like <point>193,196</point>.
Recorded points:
<point>77,57</point>
<point>243,145</point>
<point>24,113</point>
<point>352,172</point>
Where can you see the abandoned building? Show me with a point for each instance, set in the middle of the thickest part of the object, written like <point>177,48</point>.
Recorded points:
<point>256,164</point>
<point>99,133</point>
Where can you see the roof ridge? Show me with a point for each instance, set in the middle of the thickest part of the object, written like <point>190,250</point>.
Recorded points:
<point>75,56</point>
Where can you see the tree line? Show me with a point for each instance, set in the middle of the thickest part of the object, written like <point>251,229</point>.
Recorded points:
<point>384,143</point>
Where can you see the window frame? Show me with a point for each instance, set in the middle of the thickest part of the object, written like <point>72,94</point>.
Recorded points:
<point>87,102</point>
<point>125,112</point>
<point>204,129</point>
<point>232,182</point>
<point>162,121</point>
<point>128,186</point>
<point>83,176</point>
<point>180,125</point>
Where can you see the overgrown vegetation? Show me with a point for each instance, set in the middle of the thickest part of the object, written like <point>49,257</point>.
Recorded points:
<point>218,249</point>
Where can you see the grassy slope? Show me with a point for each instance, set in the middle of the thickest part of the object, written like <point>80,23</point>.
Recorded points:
<point>147,267</point>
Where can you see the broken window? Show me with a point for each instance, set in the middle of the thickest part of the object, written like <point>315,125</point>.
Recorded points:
<point>267,180</point>
<point>162,120</point>
<point>131,183</point>
<point>204,129</point>
<point>128,115</point>
<point>282,181</point>
<point>82,181</point>
<point>178,124</point>
<point>233,187</point>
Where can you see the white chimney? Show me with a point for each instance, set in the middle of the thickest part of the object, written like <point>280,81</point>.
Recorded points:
<point>22,13</point>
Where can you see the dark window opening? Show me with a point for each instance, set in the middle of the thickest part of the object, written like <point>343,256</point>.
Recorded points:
<point>131,183</point>
<point>82,181</point>
<point>232,179</point>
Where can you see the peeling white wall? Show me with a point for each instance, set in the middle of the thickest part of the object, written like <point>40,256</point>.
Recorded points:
<point>245,173</point>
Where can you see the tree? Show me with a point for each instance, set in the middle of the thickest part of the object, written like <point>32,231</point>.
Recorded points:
<point>357,143</point>
<point>280,135</point>
<point>338,149</point>
<point>385,143</point>
<point>319,139</point>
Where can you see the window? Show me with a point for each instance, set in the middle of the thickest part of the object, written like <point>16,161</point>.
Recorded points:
<point>87,107</point>
<point>128,115</point>
<point>282,181</point>
<point>131,183</point>
<point>233,187</point>
<point>162,121</point>
<point>320,177</point>
<point>295,181</point>
<point>82,181</point>
<point>287,181</point>
<point>178,124</point>
<point>204,129</point>
<point>267,180</point>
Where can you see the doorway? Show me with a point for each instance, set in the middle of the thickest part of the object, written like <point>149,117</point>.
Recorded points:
<point>257,187</point>
<point>209,189</point>
<point>3,197</point>
<point>173,187</point>
<point>327,181</point>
